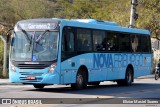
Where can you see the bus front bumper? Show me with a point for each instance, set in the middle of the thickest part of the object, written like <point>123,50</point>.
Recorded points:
<point>26,78</point>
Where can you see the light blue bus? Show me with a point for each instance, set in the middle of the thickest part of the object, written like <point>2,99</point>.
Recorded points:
<point>78,52</point>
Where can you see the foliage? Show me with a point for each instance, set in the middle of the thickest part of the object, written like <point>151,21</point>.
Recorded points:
<point>14,10</point>
<point>149,16</point>
<point>110,10</point>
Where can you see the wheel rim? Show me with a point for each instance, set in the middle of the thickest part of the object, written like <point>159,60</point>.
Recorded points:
<point>79,80</point>
<point>129,77</point>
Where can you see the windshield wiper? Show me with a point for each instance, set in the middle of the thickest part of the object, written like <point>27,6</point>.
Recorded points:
<point>40,37</point>
<point>26,35</point>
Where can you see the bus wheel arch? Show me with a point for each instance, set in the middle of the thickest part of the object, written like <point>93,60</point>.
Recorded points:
<point>129,77</point>
<point>81,78</point>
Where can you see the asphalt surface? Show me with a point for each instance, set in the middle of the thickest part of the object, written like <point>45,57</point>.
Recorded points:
<point>143,87</point>
<point>7,82</point>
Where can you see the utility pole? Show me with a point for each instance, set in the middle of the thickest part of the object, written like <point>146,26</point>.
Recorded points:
<point>134,15</point>
<point>4,56</point>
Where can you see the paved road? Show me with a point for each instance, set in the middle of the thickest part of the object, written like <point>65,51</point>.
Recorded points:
<point>142,88</point>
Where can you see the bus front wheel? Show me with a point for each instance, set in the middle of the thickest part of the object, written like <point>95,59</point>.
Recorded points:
<point>81,81</point>
<point>38,86</point>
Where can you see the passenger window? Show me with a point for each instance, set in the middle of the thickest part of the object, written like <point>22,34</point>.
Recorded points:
<point>68,46</point>
<point>99,40</point>
<point>112,42</point>
<point>124,43</point>
<point>136,43</point>
<point>68,42</point>
<point>145,44</point>
<point>84,40</point>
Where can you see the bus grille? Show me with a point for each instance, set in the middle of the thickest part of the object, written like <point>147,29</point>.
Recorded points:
<point>32,66</point>
<point>24,75</point>
<point>28,73</point>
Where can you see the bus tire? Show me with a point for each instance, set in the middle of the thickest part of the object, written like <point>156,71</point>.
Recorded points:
<point>81,81</point>
<point>128,78</point>
<point>156,75</point>
<point>38,86</point>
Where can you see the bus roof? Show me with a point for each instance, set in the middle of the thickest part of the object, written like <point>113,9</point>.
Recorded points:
<point>104,25</point>
<point>90,23</point>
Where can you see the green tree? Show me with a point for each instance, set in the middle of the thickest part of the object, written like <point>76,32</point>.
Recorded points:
<point>110,10</point>
<point>15,10</point>
<point>149,16</point>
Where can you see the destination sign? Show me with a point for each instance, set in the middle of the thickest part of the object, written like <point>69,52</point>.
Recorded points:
<point>36,26</point>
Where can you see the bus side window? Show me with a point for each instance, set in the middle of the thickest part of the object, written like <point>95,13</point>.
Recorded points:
<point>70,42</point>
<point>112,42</point>
<point>99,40</point>
<point>84,40</point>
<point>145,44</point>
<point>124,43</point>
<point>63,42</point>
<point>68,46</point>
<point>136,43</point>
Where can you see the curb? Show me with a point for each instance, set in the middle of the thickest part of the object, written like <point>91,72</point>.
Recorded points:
<point>146,77</point>
<point>7,82</point>
<point>10,84</point>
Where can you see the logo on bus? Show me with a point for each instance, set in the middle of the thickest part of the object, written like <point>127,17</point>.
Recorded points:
<point>101,60</point>
<point>117,60</point>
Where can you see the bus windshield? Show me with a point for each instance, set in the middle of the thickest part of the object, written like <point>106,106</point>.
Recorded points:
<point>34,46</point>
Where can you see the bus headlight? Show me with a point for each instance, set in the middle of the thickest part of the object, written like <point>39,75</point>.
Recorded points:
<point>13,68</point>
<point>52,68</point>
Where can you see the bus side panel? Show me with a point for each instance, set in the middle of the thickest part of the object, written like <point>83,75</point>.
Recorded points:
<point>67,72</point>
<point>120,62</point>
<point>69,68</point>
<point>142,64</point>
<point>105,66</point>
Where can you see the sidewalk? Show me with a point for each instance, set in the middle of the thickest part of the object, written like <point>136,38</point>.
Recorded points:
<point>6,81</point>
<point>146,77</point>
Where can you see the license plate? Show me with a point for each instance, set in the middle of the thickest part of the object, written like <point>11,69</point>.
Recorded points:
<point>31,77</point>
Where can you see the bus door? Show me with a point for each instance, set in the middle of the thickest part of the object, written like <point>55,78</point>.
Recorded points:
<point>68,51</point>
